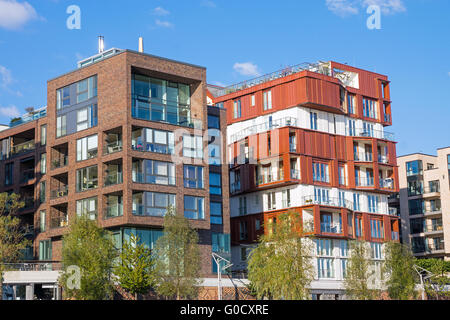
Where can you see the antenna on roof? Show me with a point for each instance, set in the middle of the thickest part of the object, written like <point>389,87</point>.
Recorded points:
<point>101,44</point>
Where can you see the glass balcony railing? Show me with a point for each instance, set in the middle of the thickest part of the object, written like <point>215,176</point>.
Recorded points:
<point>326,227</point>
<point>113,147</point>
<point>387,117</point>
<point>113,179</point>
<point>263,127</point>
<point>378,134</point>
<point>59,193</point>
<point>29,117</point>
<point>269,178</point>
<point>235,187</point>
<point>152,179</point>
<point>364,182</point>
<point>91,215</point>
<point>60,163</point>
<point>328,201</point>
<point>113,211</point>
<point>383,159</point>
<point>152,147</point>
<point>363,157</point>
<point>393,212</point>
<point>295,174</point>
<point>23,147</point>
<point>434,228</point>
<point>387,183</point>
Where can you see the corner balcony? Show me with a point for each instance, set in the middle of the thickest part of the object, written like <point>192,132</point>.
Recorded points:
<point>330,202</point>
<point>22,148</point>
<point>334,228</point>
<point>377,134</point>
<point>387,184</point>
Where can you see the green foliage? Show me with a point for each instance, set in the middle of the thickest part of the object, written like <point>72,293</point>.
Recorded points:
<point>400,269</point>
<point>12,234</point>
<point>281,267</point>
<point>358,273</point>
<point>135,268</point>
<point>90,248</point>
<point>435,287</point>
<point>177,258</point>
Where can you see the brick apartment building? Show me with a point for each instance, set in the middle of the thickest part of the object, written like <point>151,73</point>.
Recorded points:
<point>122,137</point>
<point>423,201</point>
<point>311,138</point>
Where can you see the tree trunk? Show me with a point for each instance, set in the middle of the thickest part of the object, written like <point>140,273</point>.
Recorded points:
<point>136,297</point>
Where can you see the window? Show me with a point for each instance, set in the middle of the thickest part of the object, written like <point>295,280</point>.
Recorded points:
<point>42,221</point>
<point>86,89</point>
<point>213,122</point>
<point>351,103</point>
<point>9,174</point>
<point>271,201</point>
<point>252,103</point>
<point>416,206</point>
<point>320,172</point>
<point>214,146</point>
<point>369,108</point>
<point>313,120</point>
<point>358,226</point>
<point>43,135</point>
<point>45,250</point>
<point>242,206</point>
<point>415,188</point>
<point>87,148</point>
<point>43,163</point>
<point>342,178</point>
<point>343,248</point>
<point>193,147</point>
<point>152,140</point>
<point>221,245</point>
<point>376,229</point>
<point>286,198</point>
<point>216,212</point>
<point>62,98</point>
<point>373,203</point>
<point>87,208</point>
<point>376,252</point>
<point>321,196</point>
<point>87,118</point>
<point>417,225</point>
<point>267,97</point>
<point>42,195</point>
<point>414,168</point>
<point>87,178</point>
<point>342,201</point>
<point>356,204</point>
<point>237,109</point>
<point>324,247</point>
<point>194,207</point>
<point>215,183</point>
<point>351,128</point>
<point>243,254</point>
<point>61,127</point>
<point>152,203</point>
<point>153,172</point>
<point>243,232</point>
<point>193,177</point>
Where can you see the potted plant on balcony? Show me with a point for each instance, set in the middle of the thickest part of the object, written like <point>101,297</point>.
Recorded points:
<point>14,120</point>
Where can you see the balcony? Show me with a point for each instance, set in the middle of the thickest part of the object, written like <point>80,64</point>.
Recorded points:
<point>113,179</point>
<point>263,127</point>
<point>26,176</point>
<point>363,157</point>
<point>113,211</point>
<point>387,184</point>
<point>331,202</point>
<point>383,159</point>
<point>387,118</point>
<point>292,147</point>
<point>431,191</point>
<point>90,184</point>
<point>60,163</point>
<point>432,229</point>
<point>59,222</point>
<point>393,212</point>
<point>170,112</point>
<point>59,193</point>
<point>395,236</point>
<point>34,115</point>
<point>113,147</point>
<point>384,135</point>
<point>269,178</point>
<point>295,174</point>
<point>235,187</point>
<point>23,148</point>
<point>326,227</point>
<point>152,179</point>
<point>364,182</point>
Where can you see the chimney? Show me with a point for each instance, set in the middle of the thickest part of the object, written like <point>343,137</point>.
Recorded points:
<point>101,44</point>
<point>141,44</point>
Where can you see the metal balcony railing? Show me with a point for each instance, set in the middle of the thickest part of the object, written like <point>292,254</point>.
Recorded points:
<point>263,127</point>
<point>363,157</point>
<point>59,193</point>
<point>434,228</point>
<point>39,266</point>
<point>328,201</point>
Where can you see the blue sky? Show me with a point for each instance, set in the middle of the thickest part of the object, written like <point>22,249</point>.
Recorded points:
<point>237,40</point>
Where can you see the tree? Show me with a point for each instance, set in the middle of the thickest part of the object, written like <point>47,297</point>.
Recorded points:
<point>359,273</point>
<point>12,234</point>
<point>135,268</point>
<point>281,266</point>
<point>177,258</point>
<point>399,267</point>
<point>91,250</point>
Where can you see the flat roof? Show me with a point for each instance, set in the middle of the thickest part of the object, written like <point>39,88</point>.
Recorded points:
<point>417,154</point>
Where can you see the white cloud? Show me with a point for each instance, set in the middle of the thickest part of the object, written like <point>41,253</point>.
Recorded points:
<point>164,24</point>
<point>246,69</point>
<point>160,11</point>
<point>5,77</point>
<point>208,3</point>
<point>348,7</point>
<point>10,111</point>
<point>14,15</point>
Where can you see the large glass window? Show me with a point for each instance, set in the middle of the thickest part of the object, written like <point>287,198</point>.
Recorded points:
<point>194,207</point>
<point>416,206</point>
<point>213,122</point>
<point>9,174</point>
<point>43,163</point>
<point>369,108</point>
<point>267,99</point>
<point>376,228</point>
<point>87,148</point>
<point>153,172</point>
<point>417,225</point>
<point>193,177</point>
<point>325,268</point>
<point>351,103</point>
<point>61,126</point>
<point>63,98</point>
<point>321,172</point>
<point>45,250</point>
<point>87,118</point>
<point>215,183</point>
<point>415,188</point>
<point>313,120</point>
<point>87,178</point>
<point>214,146</point>
<point>373,203</point>
<point>87,208</point>
<point>216,212</point>
<point>86,89</point>
<point>220,245</point>
<point>414,168</point>
<point>193,146</point>
<point>237,109</point>
<point>43,135</point>
<point>152,140</point>
<point>147,237</point>
<point>42,221</point>
<point>152,203</point>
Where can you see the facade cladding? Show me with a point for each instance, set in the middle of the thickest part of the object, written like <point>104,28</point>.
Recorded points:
<point>423,201</point>
<point>121,140</point>
<point>312,139</point>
